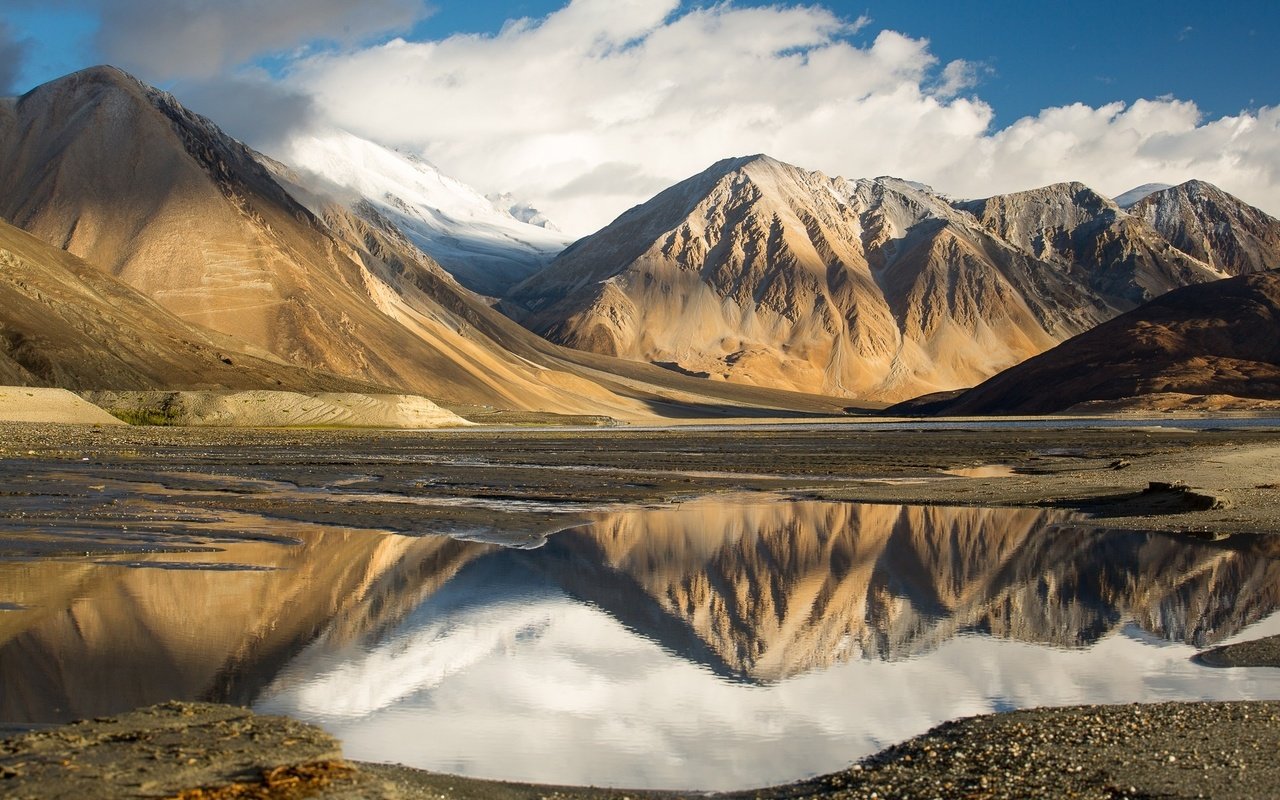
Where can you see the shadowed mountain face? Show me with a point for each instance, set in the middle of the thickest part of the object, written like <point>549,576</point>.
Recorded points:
<point>759,272</point>
<point>1207,223</point>
<point>757,591</point>
<point>1218,339</point>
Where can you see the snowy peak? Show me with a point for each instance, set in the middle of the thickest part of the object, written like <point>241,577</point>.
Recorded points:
<point>1129,198</point>
<point>521,210</point>
<point>487,248</point>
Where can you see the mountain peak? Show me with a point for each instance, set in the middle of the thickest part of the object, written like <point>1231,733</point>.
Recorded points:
<point>100,75</point>
<point>1213,226</point>
<point>752,164</point>
<point>1197,186</point>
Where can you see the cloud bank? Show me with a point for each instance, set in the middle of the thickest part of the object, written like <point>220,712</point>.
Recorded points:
<point>601,104</point>
<point>162,40</point>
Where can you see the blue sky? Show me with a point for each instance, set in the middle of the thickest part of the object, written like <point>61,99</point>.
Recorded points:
<point>591,106</point>
<point>1032,54</point>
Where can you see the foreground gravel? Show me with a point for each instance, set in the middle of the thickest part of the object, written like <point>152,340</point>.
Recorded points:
<point>210,752</point>
<point>1171,750</point>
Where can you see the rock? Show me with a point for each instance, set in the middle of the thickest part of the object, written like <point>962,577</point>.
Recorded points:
<point>163,750</point>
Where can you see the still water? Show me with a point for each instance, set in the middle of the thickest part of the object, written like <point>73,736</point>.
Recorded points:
<point>723,643</point>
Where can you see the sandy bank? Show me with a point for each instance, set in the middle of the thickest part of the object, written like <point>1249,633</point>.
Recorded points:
<point>31,404</point>
<point>267,409</point>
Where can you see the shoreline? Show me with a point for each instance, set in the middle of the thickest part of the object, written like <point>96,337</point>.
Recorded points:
<point>545,481</point>
<point>199,751</point>
<point>1106,473</point>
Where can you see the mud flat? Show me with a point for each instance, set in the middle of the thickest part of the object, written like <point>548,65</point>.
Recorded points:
<point>1213,481</point>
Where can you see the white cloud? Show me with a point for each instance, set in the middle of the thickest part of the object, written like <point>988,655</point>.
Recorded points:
<point>599,105</point>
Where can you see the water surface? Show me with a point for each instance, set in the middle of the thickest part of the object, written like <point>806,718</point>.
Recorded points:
<point>723,643</point>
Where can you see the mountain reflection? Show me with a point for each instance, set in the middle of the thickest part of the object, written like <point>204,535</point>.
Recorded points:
<point>756,590</point>
<point>765,591</point>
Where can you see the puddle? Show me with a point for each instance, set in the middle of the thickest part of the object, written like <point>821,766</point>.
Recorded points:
<point>729,642</point>
<point>982,471</point>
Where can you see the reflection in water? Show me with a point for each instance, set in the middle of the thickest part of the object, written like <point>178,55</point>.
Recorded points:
<point>722,643</point>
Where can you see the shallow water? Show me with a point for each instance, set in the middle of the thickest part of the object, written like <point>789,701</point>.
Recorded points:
<point>723,643</point>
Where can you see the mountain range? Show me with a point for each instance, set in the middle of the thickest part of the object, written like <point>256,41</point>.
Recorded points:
<point>759,272</point>
<point>168,255</point>
<point>160,199</point>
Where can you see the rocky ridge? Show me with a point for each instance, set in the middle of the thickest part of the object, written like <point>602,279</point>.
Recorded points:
<point>759,272</point>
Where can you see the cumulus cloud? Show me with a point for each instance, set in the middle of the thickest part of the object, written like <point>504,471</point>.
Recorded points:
<point>1118,146</point>
<point>641,90</point>
<point>13,52</point>
<point>161,40</point>
<point>598,105</point>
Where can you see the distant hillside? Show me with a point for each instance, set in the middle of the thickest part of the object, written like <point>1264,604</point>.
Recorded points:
<point>1221,339</point>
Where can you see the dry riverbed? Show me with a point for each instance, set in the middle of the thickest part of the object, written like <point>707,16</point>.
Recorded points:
<point>118,487</point>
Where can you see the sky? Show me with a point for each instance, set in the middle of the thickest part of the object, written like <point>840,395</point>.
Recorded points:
<point>590,106</point>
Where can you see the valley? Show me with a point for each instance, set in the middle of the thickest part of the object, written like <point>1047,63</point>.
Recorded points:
<point>841,486</point>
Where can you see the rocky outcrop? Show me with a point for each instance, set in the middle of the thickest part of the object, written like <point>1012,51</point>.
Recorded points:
<point>1207,223</point>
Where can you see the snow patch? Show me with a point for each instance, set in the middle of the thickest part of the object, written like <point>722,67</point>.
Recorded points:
<point>1131,197</point>
<point>486,247</point>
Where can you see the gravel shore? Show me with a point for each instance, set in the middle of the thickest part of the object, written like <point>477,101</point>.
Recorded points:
<point>210,752</point>
<point>51,475</point>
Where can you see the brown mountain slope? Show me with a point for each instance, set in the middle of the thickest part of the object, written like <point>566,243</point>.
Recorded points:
<point>1211,225</point>
<point>1221,338</point>
<point>120,174</point>
<point>759,272</point>
<point>65,323</point>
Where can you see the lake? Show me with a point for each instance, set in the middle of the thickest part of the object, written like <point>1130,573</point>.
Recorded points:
<point>727,642</point>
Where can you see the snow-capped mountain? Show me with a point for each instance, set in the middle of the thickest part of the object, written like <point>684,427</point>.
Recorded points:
<point>489,245</point>
<point>1129,198</point>
<point>522,210</point>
